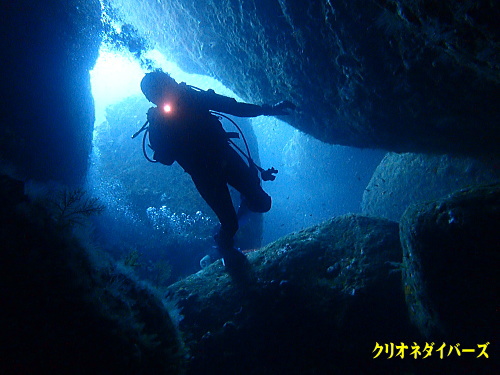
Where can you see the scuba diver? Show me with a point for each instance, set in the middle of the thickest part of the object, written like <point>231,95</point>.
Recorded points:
<point>184,128</point>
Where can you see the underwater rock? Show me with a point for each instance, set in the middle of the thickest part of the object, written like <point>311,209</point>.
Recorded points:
<point>403,179</point>
<point>401,75</point>
<point>46,105</point>
<point>315,301</point>
<point>63,314</point>
<point>450,265</point>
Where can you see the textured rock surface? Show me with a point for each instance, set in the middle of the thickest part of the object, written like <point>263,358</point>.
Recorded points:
<point>47,111</point>
<point>402,75</point>
<point>60,312</point>
<point>312,303</point>
<point>403,179</point>
<point>450,265</point>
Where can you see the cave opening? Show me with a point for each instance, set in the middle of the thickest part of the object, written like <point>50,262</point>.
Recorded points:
<point>316,181</point>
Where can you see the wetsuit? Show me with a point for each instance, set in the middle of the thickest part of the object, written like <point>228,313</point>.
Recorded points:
<point>188,133</point>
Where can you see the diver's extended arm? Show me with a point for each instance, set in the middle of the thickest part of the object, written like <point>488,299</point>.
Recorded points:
<point>230,106</point>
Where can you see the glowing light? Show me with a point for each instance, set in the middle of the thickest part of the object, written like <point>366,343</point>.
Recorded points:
<point>167,108</point>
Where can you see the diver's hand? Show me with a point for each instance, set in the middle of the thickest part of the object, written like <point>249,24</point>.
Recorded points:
<point>282,108</point>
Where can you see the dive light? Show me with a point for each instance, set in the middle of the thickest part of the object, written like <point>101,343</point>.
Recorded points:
<point>167,108</point>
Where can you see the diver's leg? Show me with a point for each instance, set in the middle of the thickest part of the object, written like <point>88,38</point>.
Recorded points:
<point>216,193</point>
<point>246,180</point>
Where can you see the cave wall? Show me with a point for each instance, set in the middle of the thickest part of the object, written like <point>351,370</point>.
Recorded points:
<point>46,106</point>
<point>402,75</point>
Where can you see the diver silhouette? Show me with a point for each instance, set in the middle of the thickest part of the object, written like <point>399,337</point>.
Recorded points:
<point>182,128</point>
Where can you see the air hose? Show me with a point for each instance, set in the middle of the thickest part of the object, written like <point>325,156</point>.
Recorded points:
<point>266,175</point>
<point>145,128</point>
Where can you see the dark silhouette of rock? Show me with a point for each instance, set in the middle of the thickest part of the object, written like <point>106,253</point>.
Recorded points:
<point>450,265</point>
<point>46,106</point>
<point>64,313</point>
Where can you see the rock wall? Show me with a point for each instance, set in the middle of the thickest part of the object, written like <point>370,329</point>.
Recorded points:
<point>403,179</point>
<point>47,111</point>
<point>402,75</point>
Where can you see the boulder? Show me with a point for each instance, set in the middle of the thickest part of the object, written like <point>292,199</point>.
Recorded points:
<point>403,179</point>
<point>450,265</point>
<point>315,301</point>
